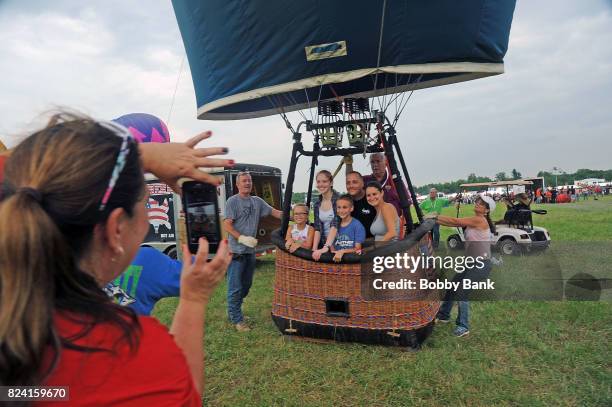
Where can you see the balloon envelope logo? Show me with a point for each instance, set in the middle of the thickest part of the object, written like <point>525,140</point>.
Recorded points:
<point>323,51</point>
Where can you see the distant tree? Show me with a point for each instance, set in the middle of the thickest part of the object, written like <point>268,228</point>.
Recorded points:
<point>516,174</point>
<point>298,197</point>
<point>501,176</point>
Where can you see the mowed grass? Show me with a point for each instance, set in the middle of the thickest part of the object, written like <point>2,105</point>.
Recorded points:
<point>518,353</point>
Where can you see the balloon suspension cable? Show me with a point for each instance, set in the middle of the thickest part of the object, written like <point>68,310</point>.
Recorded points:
<point>291,99</point>
<point>380,38</point>
<point>282,114</point>
<point>404,104</point>
<point>399,95</point>
<point>309,108</point>
<point>287,122</point>
<point>178,79</point>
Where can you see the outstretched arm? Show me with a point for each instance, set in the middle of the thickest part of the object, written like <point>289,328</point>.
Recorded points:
<point>472,221</point>
<point>198,281</point>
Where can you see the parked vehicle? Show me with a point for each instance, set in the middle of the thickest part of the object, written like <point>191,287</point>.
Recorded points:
<point>514,235</point>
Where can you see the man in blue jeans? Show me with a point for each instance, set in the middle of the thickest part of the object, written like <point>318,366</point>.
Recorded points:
<point>242,214</point>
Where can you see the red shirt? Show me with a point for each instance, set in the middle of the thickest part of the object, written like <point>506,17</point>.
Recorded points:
<point>2,161</point>
<point>156,374</point>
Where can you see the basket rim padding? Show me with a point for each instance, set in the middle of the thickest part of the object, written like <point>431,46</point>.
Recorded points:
<point>388,249</point>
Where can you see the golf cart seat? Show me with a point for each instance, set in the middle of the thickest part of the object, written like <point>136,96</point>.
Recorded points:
<point>518,218</point>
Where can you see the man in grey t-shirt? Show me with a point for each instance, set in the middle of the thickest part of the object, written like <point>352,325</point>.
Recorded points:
<point>242,214</point>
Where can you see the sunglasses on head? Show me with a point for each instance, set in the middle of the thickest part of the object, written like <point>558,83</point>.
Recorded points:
<point>124,150</point>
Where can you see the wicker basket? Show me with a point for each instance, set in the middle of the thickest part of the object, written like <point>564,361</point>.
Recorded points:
<point>325,300</point>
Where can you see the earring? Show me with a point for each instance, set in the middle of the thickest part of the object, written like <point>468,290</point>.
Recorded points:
<point>120,252</point>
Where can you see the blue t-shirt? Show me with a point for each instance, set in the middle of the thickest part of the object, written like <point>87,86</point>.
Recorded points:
<point>349,235</point>
<point>151,277</point>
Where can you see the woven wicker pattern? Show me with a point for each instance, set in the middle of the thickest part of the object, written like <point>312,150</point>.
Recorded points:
<point>301,287</point>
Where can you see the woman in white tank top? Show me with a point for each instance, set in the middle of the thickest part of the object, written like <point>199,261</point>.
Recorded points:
<point>478,234</point>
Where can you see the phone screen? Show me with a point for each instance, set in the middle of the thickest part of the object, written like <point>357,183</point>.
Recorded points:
<point>201,214</point>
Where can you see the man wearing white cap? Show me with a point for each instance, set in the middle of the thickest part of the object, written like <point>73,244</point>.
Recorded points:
<point>478,236</point>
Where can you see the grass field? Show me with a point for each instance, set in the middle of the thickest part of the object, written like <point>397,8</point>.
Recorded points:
<point>518,353</point>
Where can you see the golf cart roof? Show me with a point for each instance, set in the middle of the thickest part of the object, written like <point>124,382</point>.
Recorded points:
<point>498,183</point>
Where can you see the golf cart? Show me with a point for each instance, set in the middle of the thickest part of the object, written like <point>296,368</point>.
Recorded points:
<point>515,234</point>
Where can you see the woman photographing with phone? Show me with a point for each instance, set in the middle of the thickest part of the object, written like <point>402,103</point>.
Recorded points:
<point>72,217</point>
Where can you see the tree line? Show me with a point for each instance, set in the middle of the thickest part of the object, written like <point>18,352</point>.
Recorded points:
<point>551,178</point>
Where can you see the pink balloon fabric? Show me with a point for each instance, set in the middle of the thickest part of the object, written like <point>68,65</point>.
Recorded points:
<point>145,127</point>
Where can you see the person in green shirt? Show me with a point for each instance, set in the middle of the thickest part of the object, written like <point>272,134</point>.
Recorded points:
<point>433,204</point>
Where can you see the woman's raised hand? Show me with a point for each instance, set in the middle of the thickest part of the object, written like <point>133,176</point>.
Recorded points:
<point>172,161</point>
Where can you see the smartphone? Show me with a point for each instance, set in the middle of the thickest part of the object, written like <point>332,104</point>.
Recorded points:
<point>201,215</point>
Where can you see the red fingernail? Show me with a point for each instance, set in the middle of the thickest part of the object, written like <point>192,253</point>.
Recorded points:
<point>231,162</point>
<point>225,241</point>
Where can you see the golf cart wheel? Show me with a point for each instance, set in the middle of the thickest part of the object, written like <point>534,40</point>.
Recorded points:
<point>509,247</point>
<point>454,242</point>
<point>171,252</point>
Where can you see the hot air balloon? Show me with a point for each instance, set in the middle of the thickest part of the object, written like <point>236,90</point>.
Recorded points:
<point>145,127</point>
<point>356,64</point>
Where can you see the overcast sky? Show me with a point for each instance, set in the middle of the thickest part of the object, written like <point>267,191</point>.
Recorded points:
<point>106,58</point>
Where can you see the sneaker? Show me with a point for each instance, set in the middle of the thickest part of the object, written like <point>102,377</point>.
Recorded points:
<point>443,320</point>
<point>242,327</point>
<point>497,262</point>
<point>461,331</point>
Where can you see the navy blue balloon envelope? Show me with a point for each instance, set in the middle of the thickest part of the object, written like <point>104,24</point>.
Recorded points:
<point>256,58</point>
